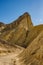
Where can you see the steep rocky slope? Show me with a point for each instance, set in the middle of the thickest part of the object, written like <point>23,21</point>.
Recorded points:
<point>33,34</point>
<point>21,43</point>
<point>33,54</point>
<point>8,52</point>
<point>18,30</point>
<point>6,47</point>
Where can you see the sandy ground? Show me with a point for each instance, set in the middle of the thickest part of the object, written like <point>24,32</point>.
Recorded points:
<point>9,58</point>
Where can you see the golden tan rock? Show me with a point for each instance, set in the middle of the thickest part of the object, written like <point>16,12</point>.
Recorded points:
<point>21,43</point>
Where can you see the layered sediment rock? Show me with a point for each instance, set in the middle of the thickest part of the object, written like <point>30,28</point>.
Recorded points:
<point>21,43</point>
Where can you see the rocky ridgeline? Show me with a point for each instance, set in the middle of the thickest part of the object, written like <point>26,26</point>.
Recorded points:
<point>21,43</point>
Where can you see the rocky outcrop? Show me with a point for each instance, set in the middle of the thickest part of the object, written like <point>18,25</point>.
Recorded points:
<point>21,43</point>
<point>17,31</point>
<point>33,54</point>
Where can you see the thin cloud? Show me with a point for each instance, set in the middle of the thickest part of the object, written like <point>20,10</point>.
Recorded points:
<point>38,21</point>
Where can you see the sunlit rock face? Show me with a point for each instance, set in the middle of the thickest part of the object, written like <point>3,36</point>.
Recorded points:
<point>21,43</point>
<point>8,52</point>
<point>17,31</point>
<point>33,54</point>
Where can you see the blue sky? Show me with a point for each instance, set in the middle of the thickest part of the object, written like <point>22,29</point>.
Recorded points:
<point>10,10</point>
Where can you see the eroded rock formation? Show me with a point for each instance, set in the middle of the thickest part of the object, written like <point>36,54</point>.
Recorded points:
<point>21,43</point>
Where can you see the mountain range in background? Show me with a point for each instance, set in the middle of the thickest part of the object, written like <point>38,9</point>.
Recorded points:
<point>21,43</point>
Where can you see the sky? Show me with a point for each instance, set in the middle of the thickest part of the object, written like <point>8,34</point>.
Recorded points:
<point>10,10</point>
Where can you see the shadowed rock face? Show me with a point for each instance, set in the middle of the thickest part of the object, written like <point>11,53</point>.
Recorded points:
<point>33,54</point>
<point>2,25</point>
<point>21,43</point>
